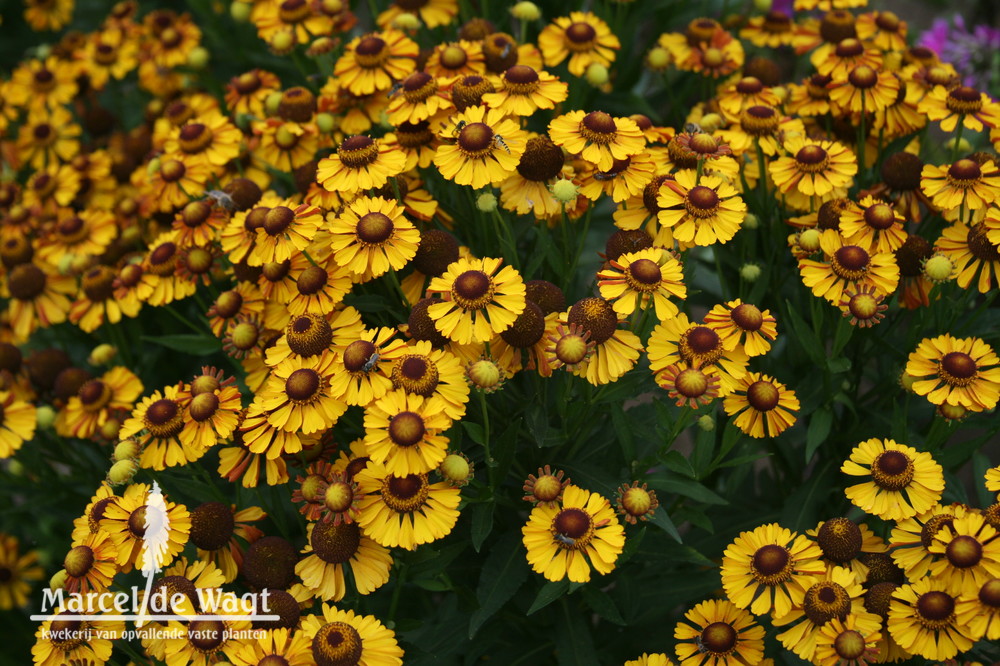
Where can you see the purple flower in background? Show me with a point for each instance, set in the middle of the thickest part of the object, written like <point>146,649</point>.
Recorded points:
<point>974,54</point>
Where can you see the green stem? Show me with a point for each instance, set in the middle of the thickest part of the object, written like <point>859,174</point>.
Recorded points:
<point>394,279</point>
<point>486,435</point>
<point>400,581</point>
<point>862,139</point>
<point>184,320</point>
<point>958,140</point>
<point>506,237</point>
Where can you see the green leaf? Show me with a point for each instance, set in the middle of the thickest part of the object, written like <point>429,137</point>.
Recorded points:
<point>686,487</point>
<point>624,432</point>
<point>842,336</point>
<point>574,643</point>
<point>475,431</point>
<point>504,571</point>
<point>805,336</point>
<point>695,516</point>
<point>194,345</point>
<point>838,365</point>
<point>801,507</point>
<point>549,593</point>
<point>537,420</point>
<point>661,519</point>
<point>366,302</point>
<point>482,523</point>
<point>631,546</point>
<point>676,462</point>
<point>433,585</point>
<point>603,605</point>
<point>819,428</point>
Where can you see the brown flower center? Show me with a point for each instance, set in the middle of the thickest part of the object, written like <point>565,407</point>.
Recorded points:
<point>405,494</point>
<point>371,52</point>
<point>849,644</point>
<point>303,385</point>
<point>850,262</point>
<point>964,551</point>
<point>406,429</point>
<point>374,228</point>
<point>278,219</point>
<point>358,354</point>
<point>963,99</point>
<point>207,635</point>
<point>26,282</point>
<point>826,601</point>
<point>644,275</point>
<point>164,418</point>
<point>879,216</point>
<point>811,158</point>
<point>719,638</point>
<point>964,173</point>
<point>935,609</point>
<point>958,368</point>
<point>335,543</point>
<point>989,593</point>
<point>337,644</point>
<point>892,470</point>
<point>574,524</point>
<point>863,76</point>
<point>357,151</point>
<point>472,290</point>
<point>763,396</point>
<point>771,564</point>
<point>598,127</point>
<point>476,139</point>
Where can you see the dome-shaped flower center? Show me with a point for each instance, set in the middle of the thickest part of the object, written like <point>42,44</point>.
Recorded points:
<point>472,289</point>
<point>964,551</point>
<point>704,144</point>
<point>212,524</point>
<point>849,48</point>
<point>371,51</point>
<point>355,466</point>
<point>194,137</point>
<point>958,368</point>
<point>892,470</point>
<point>476,138</point>
<point>879,216</point>
<point>573,524</point>
<point>294,11</point>
<point>840,539</point>
<point>204,406</point>
<point>404,494</point>
<point>338,496</point>
<point>572,349</point>
<point>963,171</point>
<point>163,418</point>
<point>228,304</point>
<point>207,635</point>
<point>335,543</point>
<point>748,317</point>
<point>850,262</point>
<point>751,85</point>
<point>763,396</point>
<point>278,219</point>
<point>337,644</point>
<point>172,170</point>
<point>849,645</point>
<point>645,273</point>
<point>935,608</point>
<point>598,127</point>
<point>312,280</point>
<point>964,99</point>
<point>309,334</point>
<point>811,158</point>
<point>527,329</point>
<point>78,561</point>
<point>771,564</point>
<point>702,201</point>
<point>580,34</point>
<point>406,429</point>
<point>989,593</point>
<point>454,57</point>
<point>826,601</point>
<point>94,395</point>
<point>863,76</point>
<point>713,57</point>
<point>691,383</point>
<point>137,522</point>
<point>595,315</point>
<point>702,340</point>
<point>303,385</point>
<point>415,374</point>
<point>68,634</point>
<point>719,638</point>
<point>26,281</point>
<point>522,77</point>
<point>374,228</point>
<point>357,354</point>
<point>542,160</point>
<point>357,151</point>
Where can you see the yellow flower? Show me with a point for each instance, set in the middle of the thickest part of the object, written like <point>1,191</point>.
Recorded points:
<point>678,339</point>
<point>769,569</point>
<point>340,636</point>
<point>597,137</point>
<point>22,569</point>
<point>740,323</point>
<point>640,279</point>
<point>372,236</point>
<point>487,147</point>
<point>846,265</point>
<point>480,299</point>
<point>973,108</point>
<point>431,13</point>
<point>360,163</point>
<point>330,546</point>
<point>922,620</point>
<point>125,521</point>
<point>97,401</point>
<point>969,552</point>
<point>763,405</point>
<point>523,91</point>
<point>850,640</point>
<point>403,432</point>
<point>956,371</point>
<point>582,37</point>
<point>17,423</point>
<point>815,168</point>
<point>703,212</point>
<point>579,532</point>
<point>893,468</point>
<point>718,633</point>
<point>372,62</point>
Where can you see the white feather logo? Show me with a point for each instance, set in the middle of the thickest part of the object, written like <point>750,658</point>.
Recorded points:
<point>155,542</point>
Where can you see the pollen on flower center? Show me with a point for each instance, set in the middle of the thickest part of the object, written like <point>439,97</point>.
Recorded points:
<point>472,290</point>
<point>850,262</point>
<point>958,368</point>
<point>598,127</point>
<point>964,172</point>
<point>337,644</point>
<point>691,383</point>
<point>964,99</point>
<point>521,79</point>
<point>719,638</point>
<point>194,137</point>
<point>989,593</point>
<point>812,158</point>
<point>701,341</point>
<point>879,216</point>
<point>892,470</point>
<point>309,334</point>
<point>357,151</point>
<point>371,51</point>
<point>406,429</point>
<point>404,494</point>
<point>771,564</point>
<point>825,601</point>
<point>850,645</point>
<point>454,57</point>
<point>863,76</point>
<point>163,418</point>
<point>94,395</point>
<point>980,246</point>
<point>335,543</point>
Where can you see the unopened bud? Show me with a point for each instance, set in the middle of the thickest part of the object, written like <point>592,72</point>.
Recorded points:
<point>526,11</point>
<point>102,354</point>
<point>198,57</point>
<point>564,190</point>
<point>326,122</point>
<point>122,472</point>
<point>271,103</point>
<point>485,375</point>
<point>597,74</point>
<point>240,11</point>
<point>126,449</point>
<point>751,221</point>
<point>750,272</point>
<point>706,423</point>
<point>487,202</point>
<point>658,58</point>
<point>456,469</point>
<point>45,416</point>
<point>406,22</point>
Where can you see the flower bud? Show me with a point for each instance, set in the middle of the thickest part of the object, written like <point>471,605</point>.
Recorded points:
<point>456,469</point>
<point>526,11</point>
<point>102,354</point>
<point>14,467</point>
<point>240,11</point>
<point>326,122</point>
<point>487,202</point>
<point>959,144</point>
<point>939,268</point>
<point>751,221</point>
<point>907,380</point>
<point>58,580</point>
<point>706,422</point>
<point>126,450</point>
<point>711,122</point>
<point>272,102</point>
<point>763,6</point>
<point>45,416</point>
<point>485,375</point>
<point>597,74</point>
<point>406,22</point>
<point>564,190</point>
<point>122,472</point>
<point>110,429</point>
<point>198,57</point>
<point>658,58</point>
<point>750,272</point>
